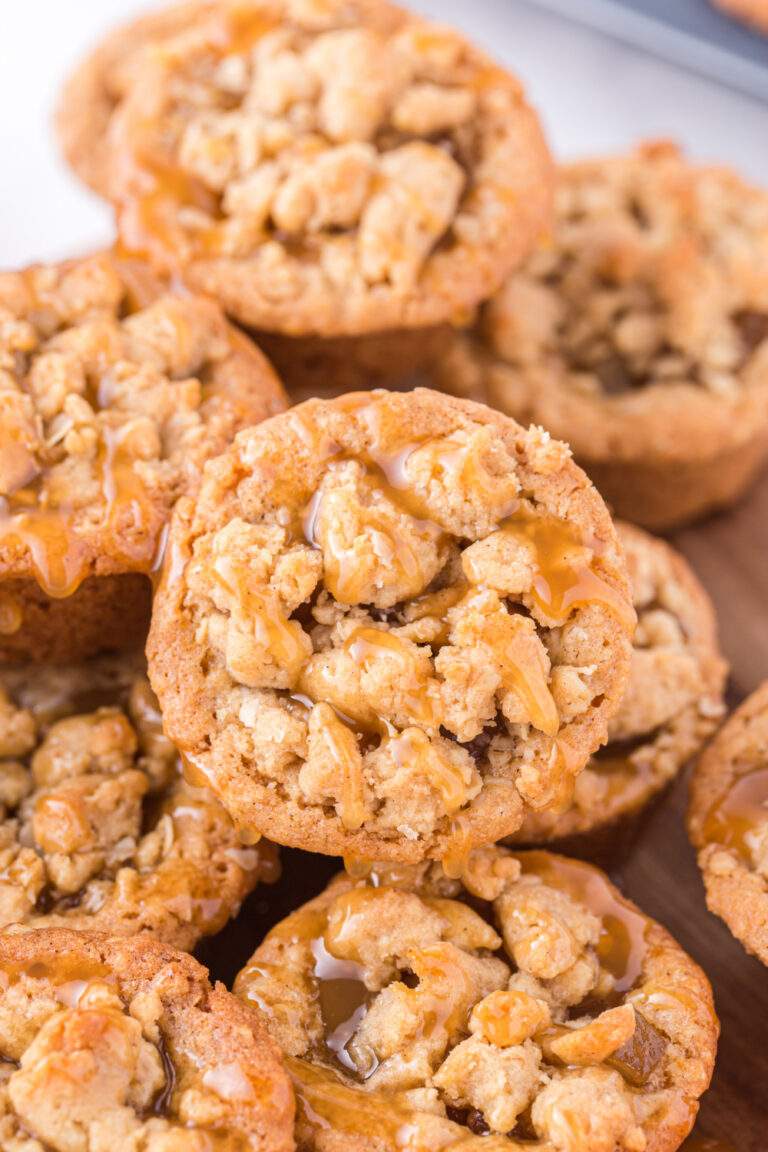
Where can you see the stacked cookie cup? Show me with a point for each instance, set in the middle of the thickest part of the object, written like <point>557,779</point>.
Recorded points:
<point>388,624</point>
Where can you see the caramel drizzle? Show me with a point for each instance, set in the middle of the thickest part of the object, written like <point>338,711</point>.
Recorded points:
<point>68,975</point>
<point>565,578</point>
<point>622,945</point>
<point>738,815</point>
<point>368,645</point>
<point>343,997</point>
<point>59,557</point>
<point>154,186</point>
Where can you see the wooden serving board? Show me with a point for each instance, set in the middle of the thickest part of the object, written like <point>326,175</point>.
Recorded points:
<point>655,864</point>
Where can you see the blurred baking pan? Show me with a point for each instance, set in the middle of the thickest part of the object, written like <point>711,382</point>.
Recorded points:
<point>689,32</point>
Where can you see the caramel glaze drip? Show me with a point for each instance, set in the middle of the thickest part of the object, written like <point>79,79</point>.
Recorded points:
<point>328,1100</point>
<point>622,945</point>
<point>59,556</point>
<point>69,976</point>
<point>565,581</point>
<point>342,993</point>
<point>156,187</point>
<point>565,578</point>
<point>328,1103</point>
<point>738,815</point>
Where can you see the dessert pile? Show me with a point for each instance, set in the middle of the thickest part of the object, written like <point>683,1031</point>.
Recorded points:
<point>382,614</point>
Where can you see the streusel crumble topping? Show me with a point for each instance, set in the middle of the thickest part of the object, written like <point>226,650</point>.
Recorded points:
<point>109,1044</point>
<point>98,830</point>
<point>530,1006</point>
<point>112,395</point>
<point>400,618</point>
<point>329,166</point>
<point>673,702</point>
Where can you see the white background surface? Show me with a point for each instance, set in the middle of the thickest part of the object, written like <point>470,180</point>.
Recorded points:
<point>593,94</point>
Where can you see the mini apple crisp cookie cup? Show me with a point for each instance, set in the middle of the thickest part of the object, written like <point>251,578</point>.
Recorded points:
<point>98,829</point>
<point>672,705</point>
<point>110,1044</point>
<point>529,1006</point>
<point>328,167</point>
<point>389,623</point>
<point>728,823</point>
<point>639,334</point>
<point>112,394</point>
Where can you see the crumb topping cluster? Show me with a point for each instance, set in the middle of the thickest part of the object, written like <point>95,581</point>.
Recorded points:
<point>656,276</point>
<point>394,623</point>
<point>520,1006</point>
<point>673,701</point>
<point>336,146</point>
<point>109,401</point>
<point>98,830</point>
<point>103,1048</point>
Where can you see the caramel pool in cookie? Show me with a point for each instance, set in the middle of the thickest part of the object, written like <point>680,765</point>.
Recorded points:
<point>388,624</point>
<point>112,395</point>
<point>98,830</point>
<point>728,823</point>
<point>647,312</point>
<point>326,167</point>
<point>673,701</point>
<point>528,1005</point>
<point>110,1044</point>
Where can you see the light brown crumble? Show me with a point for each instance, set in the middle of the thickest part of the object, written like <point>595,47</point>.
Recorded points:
<point>673,701</point>
<point>389,623</point>
<point>98,830</point>
<point>529,1006</point>
<point>108,1044</point>
<point>112,395</point>
<point>328,166</point>
<point>649,303</point>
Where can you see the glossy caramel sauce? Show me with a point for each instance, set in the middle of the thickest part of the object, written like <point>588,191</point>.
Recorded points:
<point>330,1089</point>
<point>565,577</point>
<point>565,580</point>
<point>461,841</point>
<point>69,975</point>
<point>622,945</point>
<point>342,994</point>
<point>740,814</point>
<point>59,557</point>
<point>412,747</point>
<point>155,186</point>
<point>327,1103</point>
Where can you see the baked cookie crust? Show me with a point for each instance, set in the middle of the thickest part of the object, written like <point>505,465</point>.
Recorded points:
<point>728,823</point>
<point>388,623</point>
<point>673,701</point>
<point>112,395</point>
<point>328,167</point>
<point>110,1043</point>
<point>528,1006</point>
<point>647,312</point>
<point>98,829</point>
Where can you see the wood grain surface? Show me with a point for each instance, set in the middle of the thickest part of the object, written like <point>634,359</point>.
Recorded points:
<point>653,862</point>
